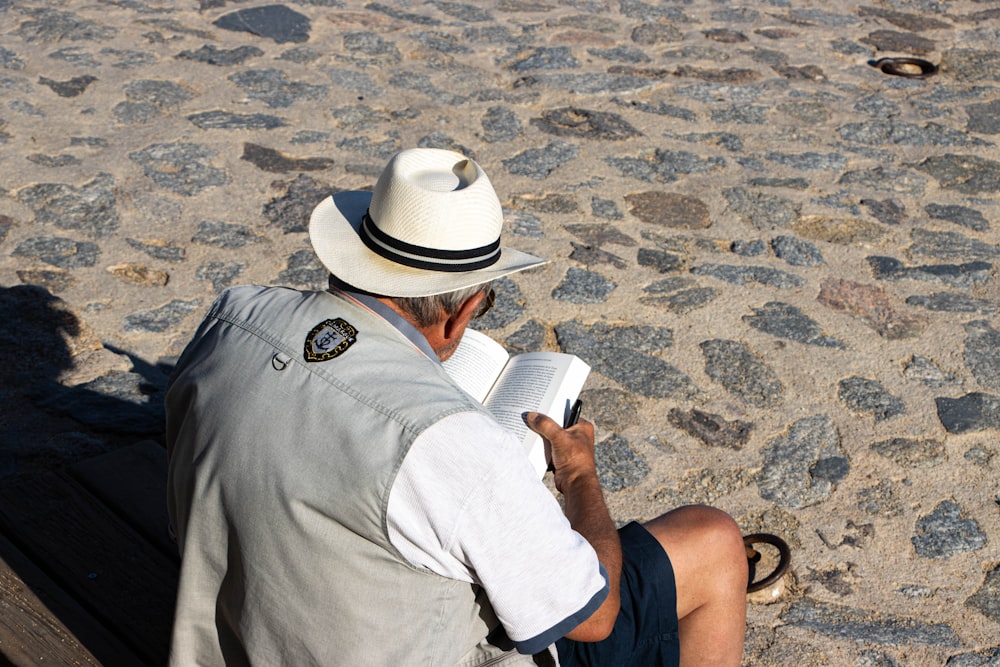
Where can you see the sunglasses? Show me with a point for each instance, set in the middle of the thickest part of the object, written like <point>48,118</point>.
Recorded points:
<point>486,304</point>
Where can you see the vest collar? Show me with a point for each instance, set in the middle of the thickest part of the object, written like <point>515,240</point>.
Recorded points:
<point>410,332</point>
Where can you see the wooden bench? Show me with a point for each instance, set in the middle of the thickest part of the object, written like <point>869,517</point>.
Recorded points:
<point>88,573</point>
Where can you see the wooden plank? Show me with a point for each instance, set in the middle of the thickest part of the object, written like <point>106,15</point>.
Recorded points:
<point>132,481</point>
<point>41,624</point>
<point>95,556</point>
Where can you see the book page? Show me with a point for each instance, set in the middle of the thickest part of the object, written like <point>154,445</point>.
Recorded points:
<point>476,363</point>
<point>547,382</point>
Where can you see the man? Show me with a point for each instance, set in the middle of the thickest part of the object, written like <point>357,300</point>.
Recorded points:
<point>339,501</point>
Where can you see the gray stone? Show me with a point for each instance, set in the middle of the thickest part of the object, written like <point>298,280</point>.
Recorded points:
<point>659,109</point>
<point>275,22</point>
<point>300,54</point>
<point>509,306</point>
<point>163,318</point>
<point>290,211</point>
<point>960,215</point>
<point>58,251</point>
<point>70,88</point>
<point>164,95</point>
<point>181,167</point>
<point>623,355</point>
<point>303,269</point>
<point>957,275</point>
<point>950,246</point>
<point>580,286</point>
<point>986,658</point>
<point>662,261</point>
<point>365,146</point>
<point>926,371</point>
<point>220,274</point>
<point>224,120</point>
<point>622,54</point>
<point>970,413</point>
<point>878,106</point>
<point>946,532</point>
<point>27,108</point>
<point>272,87</point>
<point>683,301</point>
<point>761,210</point>
<point>986,601</point>
<point>605,208</point>
<point>590,255</point>
<point>872,627</point>
<point>368,43</point>
<point>742,275</point>
<point>51,25</point>
<point>584,124</point>
<point>711,429</point>
<point>887,211</point>
<point>618,466</point>
<point>864,395</point>
<point>463,11</point>
<point>592,83</point>
<point>912,452</point>
<point>529,337</point>
<point>10,60</point>
<point>136,113</point>
<point>968,64</point>
<point>742,373</point>
<point>786,321</point>
<point>801,161</point>
<point>89,208</point>
<point>754,248</point>
<point>746,114</point>
<point>162,250</point>
<point>407,17</point>
<point>224,235</point>
<point>271,160</point>
<point>796,252</point>
<point>526,224</point>
<point>982,352</point>
<point>538,58</point>
<point>885,179</point>
<point>880,500</point>
<point>538,163</point>
<point>213,55</point>
<point>355,82</point>
<point>979,456</point>
<point>728,140</point>
<point>423,83</point>
<point>984,118</point>
<point>665,165</point>
<point>443,42</point>
<point>501,124</point>
<point>968,174</point>
<point>907,21</point>
<point>669,209</point>
<point>788,475</point>
<point>54,161</point>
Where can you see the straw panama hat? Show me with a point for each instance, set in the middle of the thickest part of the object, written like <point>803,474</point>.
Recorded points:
<point>431,225</point>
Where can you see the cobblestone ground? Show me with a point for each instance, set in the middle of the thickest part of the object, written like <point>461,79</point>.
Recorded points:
<point>778,258</point>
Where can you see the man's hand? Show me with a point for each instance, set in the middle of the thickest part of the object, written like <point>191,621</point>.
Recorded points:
<point>571,449</point>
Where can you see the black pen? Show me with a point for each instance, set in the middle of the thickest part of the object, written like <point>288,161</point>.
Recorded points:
<point>574,414</point>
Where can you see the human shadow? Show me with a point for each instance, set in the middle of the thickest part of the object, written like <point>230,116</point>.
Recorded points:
<point>77,563</point>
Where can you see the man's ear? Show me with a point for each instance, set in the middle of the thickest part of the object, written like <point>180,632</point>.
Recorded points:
<point>459,320</point>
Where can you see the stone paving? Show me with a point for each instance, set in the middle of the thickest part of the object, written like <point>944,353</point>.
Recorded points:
<point>778,258</point>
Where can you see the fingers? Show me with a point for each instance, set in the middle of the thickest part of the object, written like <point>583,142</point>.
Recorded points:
<point>544,426</point>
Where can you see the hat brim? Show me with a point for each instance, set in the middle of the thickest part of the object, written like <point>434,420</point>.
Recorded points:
<point>333,230</point>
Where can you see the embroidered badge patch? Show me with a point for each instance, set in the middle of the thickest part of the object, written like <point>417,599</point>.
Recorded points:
<point>329,339</point>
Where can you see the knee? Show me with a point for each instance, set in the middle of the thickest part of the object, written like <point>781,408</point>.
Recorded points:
<point>708,539</point>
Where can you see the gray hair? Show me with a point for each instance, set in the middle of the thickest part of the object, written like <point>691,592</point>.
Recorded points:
<point>426,310</point>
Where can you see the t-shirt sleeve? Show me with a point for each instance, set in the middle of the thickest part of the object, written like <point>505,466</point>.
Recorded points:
<point>468,505</point>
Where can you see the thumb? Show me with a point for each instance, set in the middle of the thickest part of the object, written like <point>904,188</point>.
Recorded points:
<point>542,425</point>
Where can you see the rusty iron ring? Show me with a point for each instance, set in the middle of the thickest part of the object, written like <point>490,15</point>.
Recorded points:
<point>784,558</point>
<point>899,67</point>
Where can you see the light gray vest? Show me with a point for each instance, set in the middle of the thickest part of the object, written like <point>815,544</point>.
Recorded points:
<point>280,471</point>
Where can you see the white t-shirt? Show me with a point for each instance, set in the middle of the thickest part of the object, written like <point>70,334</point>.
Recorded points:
<point>467,505</point>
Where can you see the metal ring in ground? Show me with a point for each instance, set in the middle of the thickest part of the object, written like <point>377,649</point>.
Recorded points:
<point>784,558</point>
<point>903,67</point>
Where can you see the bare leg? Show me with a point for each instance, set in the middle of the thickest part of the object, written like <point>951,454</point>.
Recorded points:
<point>710,566</point>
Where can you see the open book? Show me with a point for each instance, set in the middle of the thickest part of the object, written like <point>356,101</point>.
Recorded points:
<point>546,382</point>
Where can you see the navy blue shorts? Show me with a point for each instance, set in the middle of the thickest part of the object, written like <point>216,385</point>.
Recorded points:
<point>645,633</point>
